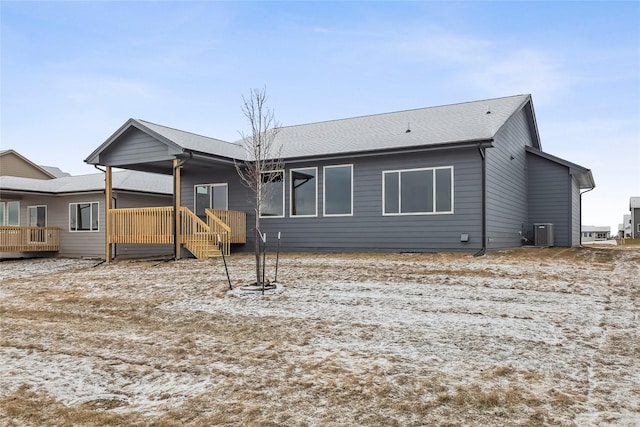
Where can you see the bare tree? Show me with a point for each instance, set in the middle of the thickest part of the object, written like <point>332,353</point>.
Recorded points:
<point>262,160</point>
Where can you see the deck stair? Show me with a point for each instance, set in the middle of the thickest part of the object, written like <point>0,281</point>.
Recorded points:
<point>205,237</point>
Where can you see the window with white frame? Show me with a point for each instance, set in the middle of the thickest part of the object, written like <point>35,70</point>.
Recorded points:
<point>304,192</point>
<point>9,213</point>
<point>84,216</point>
<point>338,190</point>
<point>272,204</point>
<point>418,191</point>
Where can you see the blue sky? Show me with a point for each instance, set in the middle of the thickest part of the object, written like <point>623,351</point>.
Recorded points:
<point>73,72</point>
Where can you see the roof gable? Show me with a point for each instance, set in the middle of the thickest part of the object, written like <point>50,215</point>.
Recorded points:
<point>582,174</point>
<point>13,163</point>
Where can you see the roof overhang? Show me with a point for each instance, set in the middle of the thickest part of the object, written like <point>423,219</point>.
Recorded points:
<point>583,176</point>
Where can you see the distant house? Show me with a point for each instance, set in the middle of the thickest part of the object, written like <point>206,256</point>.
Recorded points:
<point>465,177</point>
<point>13,163</point>
<point>592,233</point>
<point>634,216</point>
<point>41,214</point>
<point>624,229</point>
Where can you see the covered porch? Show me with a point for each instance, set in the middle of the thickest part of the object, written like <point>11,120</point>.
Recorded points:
<point>203,229</point>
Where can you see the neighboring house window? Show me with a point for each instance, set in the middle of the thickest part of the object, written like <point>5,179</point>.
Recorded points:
<point>273,187</point>
<point>9,213</point>
<point>37,216</point>
<point>84,216</point>
<point>338,190</point>
<point>418,191</point>
<point>304,192</point>
<point>638,227</point>
<point>210,196</point>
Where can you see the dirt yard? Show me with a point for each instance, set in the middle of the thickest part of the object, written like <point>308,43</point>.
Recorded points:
<point>522,338</point>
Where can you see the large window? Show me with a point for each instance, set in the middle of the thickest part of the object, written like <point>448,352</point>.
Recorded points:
<point>273,200</point>
<point>84,216</point>
<point>338,190</point>
<point>210,196</point>
<point>304,192</point>
<point>418,191</point>
<point>9,213</point>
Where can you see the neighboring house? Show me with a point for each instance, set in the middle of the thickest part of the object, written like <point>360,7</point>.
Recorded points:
<point>624,229</point>
<point>465,177</point>
<point>14,164</point>
<point>591,233</point>
<point>66,216</point>
<point>634,207</point>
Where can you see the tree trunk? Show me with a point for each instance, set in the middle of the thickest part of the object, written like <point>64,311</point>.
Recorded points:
<point>257,247</point>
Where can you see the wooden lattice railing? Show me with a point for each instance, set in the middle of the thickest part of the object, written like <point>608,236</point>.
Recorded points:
<point>155,226</point>
<point>141,225</point>
<point>237,221</point>
<point>29,239</point>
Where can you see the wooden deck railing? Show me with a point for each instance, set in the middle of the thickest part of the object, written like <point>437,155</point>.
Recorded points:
<point>141,225</point>
<point>219,228</point>
<point>29,239</point>
<point>237,221</point>
<point>155,226</point>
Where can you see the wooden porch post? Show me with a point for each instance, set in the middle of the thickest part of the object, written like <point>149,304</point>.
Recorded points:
<point>176,206</point>
<point>107,204</point>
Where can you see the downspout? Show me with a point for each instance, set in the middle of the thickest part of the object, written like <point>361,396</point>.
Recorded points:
<point>175,212</point>
<point>483,181</point>
<point>593,188</point>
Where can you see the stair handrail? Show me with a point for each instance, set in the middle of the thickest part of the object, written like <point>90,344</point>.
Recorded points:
<point>218,226</point>
<point>196,234</point>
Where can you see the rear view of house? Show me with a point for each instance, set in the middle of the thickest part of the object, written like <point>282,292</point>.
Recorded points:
<point>465,177</point>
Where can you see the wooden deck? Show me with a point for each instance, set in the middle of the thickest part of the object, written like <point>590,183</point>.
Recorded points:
<point>29,239</point>
<point>203,239</point>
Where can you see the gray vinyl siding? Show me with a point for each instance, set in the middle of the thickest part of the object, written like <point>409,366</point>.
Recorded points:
<point>72,244</point>
<point>135,146</point>
<point>367,229</point>
<point>635,220</point>
<point>91,244</point>
<point>549,198</point>
<point>506,180</point>
<point>576,214</point>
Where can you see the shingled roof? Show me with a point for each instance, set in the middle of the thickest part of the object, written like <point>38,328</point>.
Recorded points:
<point>449,124</point>
<point>423,127</point>
<point>122,180</point>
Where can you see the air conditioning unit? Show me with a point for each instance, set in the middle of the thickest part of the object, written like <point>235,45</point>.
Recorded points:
<point>543,234</point>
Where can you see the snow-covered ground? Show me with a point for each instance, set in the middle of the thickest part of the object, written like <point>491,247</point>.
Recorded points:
<point>537,336</point>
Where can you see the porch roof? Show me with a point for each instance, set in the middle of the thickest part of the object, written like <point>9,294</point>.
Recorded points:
<point>582,174</point>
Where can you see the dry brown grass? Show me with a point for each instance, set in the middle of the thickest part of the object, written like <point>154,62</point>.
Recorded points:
<point>532,337</point>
